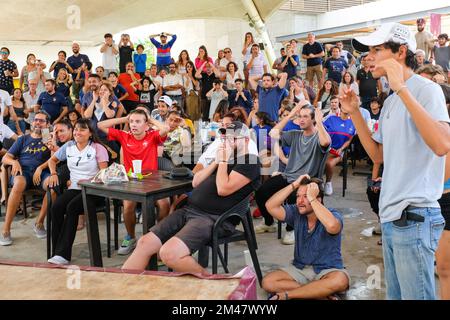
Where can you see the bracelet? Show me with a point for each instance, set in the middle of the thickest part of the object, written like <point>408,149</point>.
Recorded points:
<point>401,88</point>
<point>54,174</point>
<point>311,201</point>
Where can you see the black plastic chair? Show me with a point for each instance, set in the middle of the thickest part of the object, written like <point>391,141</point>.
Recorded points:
<point>105,209</point>
<point>242,212</point>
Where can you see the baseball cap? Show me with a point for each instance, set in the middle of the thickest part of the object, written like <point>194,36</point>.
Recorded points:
<point>237,129</point>
<point>420,20</point>
<point>395,32</point>
<point>166,100</point>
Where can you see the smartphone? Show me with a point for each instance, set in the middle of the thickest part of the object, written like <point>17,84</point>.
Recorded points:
<point>46,135</point>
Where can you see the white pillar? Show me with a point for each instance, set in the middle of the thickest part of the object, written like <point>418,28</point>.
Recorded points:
<point>260,28</point>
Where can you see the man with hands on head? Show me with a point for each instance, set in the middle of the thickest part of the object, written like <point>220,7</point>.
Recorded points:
<point>308,154</point>
<point>317,271</point>
<point>415,115</point>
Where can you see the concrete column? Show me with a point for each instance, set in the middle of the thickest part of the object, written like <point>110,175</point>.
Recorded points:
<point>260,28</point>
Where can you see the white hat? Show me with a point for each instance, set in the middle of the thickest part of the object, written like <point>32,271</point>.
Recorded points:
<point>395,32</point>
<point>166,100</point>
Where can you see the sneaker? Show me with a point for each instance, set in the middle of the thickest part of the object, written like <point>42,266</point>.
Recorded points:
<point>58,260</point>
<point>289,238</point>
<point>127,246</point>
<point>256,213</point>
<point>40,232</point>
<point>5,239</point>
<point>262,228</point>
<point>328,189</point>
<point>377,229</point>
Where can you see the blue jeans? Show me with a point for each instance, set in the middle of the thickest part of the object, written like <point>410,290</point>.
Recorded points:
<point>408,254</point>
<point>22,126</point>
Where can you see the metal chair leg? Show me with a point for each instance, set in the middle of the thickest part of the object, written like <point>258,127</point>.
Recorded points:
<point>108,227</point>
<point>252,250</point>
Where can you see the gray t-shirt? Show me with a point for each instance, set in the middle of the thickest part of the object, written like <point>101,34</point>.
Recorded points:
<point>442,57</point>
<point>413,174</point>
<point>307,155</point>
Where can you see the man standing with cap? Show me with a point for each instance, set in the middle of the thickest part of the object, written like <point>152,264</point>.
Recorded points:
<point>412,140</point>
<point>424,40</point>
<point>163,58</point>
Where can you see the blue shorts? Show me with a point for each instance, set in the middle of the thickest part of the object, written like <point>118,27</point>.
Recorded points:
<point>28,174</point>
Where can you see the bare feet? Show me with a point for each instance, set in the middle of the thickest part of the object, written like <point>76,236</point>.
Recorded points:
<point>81,222</point>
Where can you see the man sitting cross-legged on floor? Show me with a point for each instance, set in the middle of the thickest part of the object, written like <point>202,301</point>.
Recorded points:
<point>317,271</point>
<point>217,188</point>
<point>140,143</point>
<point>28,160</point>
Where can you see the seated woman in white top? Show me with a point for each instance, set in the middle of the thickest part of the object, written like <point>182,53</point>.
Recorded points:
<point>231,75</point>
<point>297,91</point>
<point>348,82</point>
<point>85,157</point>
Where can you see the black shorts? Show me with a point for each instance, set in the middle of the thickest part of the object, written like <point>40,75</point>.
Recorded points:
<point>445,209</point>
<point>191,226</point>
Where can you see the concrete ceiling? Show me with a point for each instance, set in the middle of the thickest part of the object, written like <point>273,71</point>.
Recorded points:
<point>46,21</point>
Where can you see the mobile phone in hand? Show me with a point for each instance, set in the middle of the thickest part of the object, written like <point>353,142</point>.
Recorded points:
<point>46,135</point>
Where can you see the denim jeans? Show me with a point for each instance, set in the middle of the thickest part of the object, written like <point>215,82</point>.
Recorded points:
<point>408,254</point>
<point>22,126</point>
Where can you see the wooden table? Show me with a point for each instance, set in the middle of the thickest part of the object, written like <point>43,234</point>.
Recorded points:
<point>146,191</point>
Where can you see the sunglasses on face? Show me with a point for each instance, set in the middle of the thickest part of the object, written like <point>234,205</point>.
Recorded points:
<point>227,51</point>
<point>4,52</point>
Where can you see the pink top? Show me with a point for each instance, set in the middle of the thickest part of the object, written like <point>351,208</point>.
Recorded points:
<point>198,63</point>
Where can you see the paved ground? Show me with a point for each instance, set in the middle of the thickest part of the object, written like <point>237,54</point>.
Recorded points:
<point>362,255</point>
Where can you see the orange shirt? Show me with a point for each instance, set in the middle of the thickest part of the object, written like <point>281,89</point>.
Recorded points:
<point>125,80</point>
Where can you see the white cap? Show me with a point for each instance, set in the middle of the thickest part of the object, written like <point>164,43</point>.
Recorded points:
<point>166,100</point>
<point>395,32</point>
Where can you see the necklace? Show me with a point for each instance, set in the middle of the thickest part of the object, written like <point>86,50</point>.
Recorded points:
<point>307,141</point>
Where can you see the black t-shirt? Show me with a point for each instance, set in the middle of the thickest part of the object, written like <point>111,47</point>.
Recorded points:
<point>374,116</point>
<point>207,83</point>
<point>206,198</point>
<point>125,55</point>
<point>314,48</point>
<point>367,84</point>
<point>146,97</point>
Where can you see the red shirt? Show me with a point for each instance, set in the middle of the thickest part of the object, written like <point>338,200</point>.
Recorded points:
<point>133,149</point>
<point>125,80</point>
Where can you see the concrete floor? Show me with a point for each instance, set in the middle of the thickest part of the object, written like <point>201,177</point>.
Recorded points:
<point>362,255</point>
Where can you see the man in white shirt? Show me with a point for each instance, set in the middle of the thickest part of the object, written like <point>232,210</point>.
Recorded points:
<point>31,98</point>
<point>5,102</point>
<point>257,66</point>
<point>40,75</point>
<point>109,52</point>
<point>173,83</point>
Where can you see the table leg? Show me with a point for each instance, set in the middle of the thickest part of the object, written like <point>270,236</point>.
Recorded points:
<point>95,252</point>
<point>148,221</point>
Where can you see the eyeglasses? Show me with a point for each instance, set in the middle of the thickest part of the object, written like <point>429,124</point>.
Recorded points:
<point>227,52</point>
<point>4,52</point>
<point>40,120</point>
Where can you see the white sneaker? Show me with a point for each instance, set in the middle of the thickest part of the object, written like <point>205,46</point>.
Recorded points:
<point>328,189</point>
<point>262,228</point>
<point>289,238</point>
<point>5,239</point>
<point>40,232</point>
<point>377,229</point>
<point>58,260</point>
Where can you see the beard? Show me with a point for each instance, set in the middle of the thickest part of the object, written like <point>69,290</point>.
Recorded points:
<point>35,130</point>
